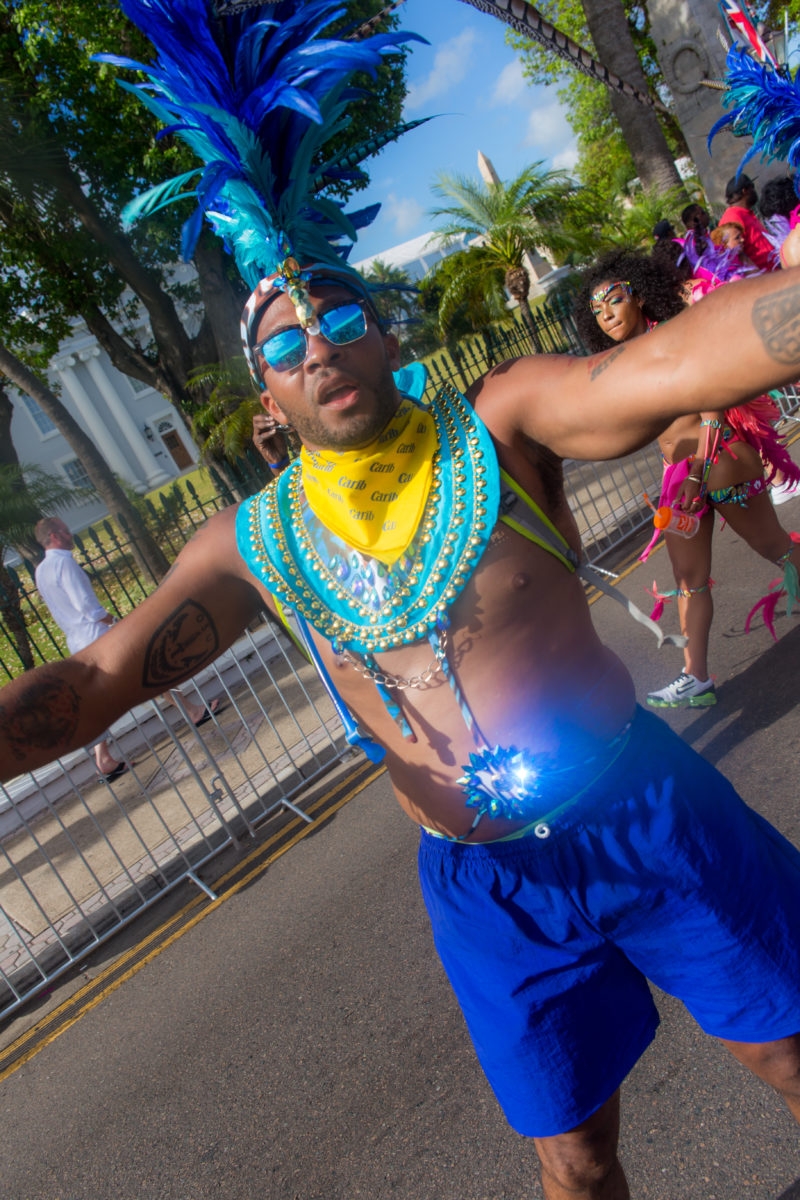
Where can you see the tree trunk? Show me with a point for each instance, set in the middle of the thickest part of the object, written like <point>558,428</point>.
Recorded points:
<point>8,455</point>
<point>145,549</point>
<point>10,610</point>
<point>174,344</point>
<point>518,286</point>
<point>641,129</point>
<point>222,301</point>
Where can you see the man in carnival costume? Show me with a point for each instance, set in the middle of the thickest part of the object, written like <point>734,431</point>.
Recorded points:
<point>571,845</point>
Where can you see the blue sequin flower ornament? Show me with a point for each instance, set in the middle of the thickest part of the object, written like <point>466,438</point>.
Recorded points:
<point>501,782</point>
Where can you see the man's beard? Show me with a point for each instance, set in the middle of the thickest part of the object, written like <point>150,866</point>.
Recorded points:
<point>356,431</point>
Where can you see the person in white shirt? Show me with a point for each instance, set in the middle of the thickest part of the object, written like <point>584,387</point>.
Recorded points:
<point>67,591</point>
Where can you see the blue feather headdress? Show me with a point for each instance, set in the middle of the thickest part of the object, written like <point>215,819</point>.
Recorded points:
<point>764,103</point>
<point>257,92</point>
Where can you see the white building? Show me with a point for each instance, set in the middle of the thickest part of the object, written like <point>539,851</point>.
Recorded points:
<point>137,430</point>
<point>417,257</point>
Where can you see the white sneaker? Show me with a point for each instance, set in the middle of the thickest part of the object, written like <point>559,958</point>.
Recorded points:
<point>781,492</point>
<point>685,692</point>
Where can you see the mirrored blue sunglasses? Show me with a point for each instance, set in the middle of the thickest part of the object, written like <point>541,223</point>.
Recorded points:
<point>288,348</point>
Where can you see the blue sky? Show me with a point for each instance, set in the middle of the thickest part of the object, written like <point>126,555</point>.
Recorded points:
<point>473,81</point>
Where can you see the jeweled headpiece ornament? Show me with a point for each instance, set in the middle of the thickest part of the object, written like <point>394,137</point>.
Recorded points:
<point>258,91</point>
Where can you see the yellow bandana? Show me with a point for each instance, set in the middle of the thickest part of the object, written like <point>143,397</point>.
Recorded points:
<point>373,498</point>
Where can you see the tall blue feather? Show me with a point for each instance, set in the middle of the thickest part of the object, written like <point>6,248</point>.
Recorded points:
<point>764,103</point>
<point>257,95</point>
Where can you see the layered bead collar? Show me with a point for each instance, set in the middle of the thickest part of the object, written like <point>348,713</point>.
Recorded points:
<point>354,601</point>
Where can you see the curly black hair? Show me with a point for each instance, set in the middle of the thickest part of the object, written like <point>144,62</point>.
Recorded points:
<point>778,196</point>
<point>654,281</point>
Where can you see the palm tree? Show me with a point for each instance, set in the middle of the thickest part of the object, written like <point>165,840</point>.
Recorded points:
<point>631,219</point>
<point>506,221</point>
<point>225,418</point>
<point>393,294</point>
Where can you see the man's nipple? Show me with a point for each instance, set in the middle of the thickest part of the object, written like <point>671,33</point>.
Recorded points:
<point>520,580</point>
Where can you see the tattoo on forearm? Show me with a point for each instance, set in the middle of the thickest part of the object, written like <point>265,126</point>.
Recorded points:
<point>776,319</point>
<point>606,362</point>
<point>44,719</point>
<point>183,644</point>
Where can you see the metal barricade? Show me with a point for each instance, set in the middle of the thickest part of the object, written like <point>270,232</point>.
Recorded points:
<point>80,858</point>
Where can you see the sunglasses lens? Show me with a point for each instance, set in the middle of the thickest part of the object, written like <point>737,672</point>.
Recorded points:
<point>344,324</point>
<point>285,350</point>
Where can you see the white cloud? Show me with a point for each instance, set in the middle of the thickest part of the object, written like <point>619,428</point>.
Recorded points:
<point>510,86</point>
<point>566,159</point>
<point>547,127</point>
<point>402,212</point>
<point>450,66</point>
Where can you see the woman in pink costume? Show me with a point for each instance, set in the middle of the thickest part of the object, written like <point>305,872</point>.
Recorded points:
<point>712,461</point>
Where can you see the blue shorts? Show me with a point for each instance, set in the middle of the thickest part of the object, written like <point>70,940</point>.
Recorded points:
<point>661,871</point>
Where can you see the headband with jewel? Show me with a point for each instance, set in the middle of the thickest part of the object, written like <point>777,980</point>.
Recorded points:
<point>258,91</point>
<point>605,292</point>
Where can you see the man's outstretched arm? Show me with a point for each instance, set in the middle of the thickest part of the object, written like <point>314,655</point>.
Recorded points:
<point>733,345</point>
<point>199,609</point>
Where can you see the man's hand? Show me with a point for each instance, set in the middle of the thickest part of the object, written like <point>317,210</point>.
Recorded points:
<point>269,441</point>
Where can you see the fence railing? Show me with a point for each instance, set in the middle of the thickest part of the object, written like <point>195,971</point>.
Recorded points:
<point>79,858</point>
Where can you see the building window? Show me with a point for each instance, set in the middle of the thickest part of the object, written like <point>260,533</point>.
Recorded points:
<point>40,418</point>
<point>139,385</point>
<point>75,472</point>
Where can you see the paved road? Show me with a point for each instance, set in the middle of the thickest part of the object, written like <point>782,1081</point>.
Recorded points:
<point>301,1043</point>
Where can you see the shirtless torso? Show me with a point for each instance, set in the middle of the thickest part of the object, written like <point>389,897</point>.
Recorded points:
<point>524,650</point>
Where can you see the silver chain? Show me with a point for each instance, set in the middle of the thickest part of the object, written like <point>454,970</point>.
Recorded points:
<point>398,681</point>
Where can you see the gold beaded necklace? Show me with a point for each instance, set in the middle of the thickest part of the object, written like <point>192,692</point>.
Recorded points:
<point>285,551</point>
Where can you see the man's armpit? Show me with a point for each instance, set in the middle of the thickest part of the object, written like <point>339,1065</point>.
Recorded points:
<point>776,320</point>
<point>45,719</point>
<point>185,642</point>
<point>606,360</point>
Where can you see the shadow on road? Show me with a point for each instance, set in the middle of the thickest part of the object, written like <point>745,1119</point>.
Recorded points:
<point>759,696</point>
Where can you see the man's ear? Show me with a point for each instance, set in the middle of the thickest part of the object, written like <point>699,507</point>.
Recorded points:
<point>392,345</point>
<point>271,408</point>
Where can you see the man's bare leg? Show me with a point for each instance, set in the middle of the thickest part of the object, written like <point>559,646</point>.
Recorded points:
<point>777,1063</point>
<point>583,1164</point>
<point>106,763</point>
<point>195,712</point>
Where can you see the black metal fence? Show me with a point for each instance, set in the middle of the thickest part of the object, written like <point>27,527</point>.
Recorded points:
<point>553,331</point>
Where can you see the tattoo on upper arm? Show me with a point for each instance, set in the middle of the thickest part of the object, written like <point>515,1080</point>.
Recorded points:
<point>776,319</point>
<point>605,362</point>
<point>44,719</point>
<point>184,643</point>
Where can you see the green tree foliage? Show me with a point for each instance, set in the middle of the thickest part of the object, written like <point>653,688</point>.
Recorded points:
<point>630,223</point>
<point>225,419</point>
